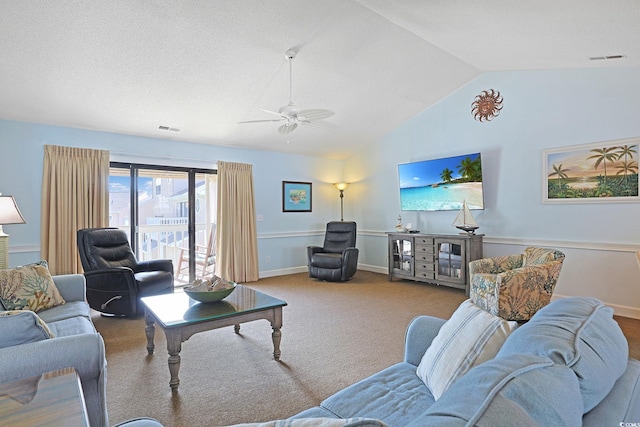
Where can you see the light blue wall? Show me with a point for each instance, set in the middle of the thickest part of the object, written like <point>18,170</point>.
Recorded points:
<point>281,235</point>
<point>542,110</point>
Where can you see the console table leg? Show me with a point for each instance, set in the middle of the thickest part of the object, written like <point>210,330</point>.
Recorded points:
<point>174,345</point>
<point>150,330</point>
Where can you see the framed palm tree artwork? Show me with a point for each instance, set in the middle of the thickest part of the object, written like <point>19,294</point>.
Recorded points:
<point>592,173</point>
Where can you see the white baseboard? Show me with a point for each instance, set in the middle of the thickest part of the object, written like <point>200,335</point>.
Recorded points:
<point>618,310</point>
<point>303,269</point>
<point>282,271</point>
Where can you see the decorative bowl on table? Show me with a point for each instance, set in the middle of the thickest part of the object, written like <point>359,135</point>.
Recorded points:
<point>210,290</point>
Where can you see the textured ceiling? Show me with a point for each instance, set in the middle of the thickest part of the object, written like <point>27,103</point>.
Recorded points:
<point>203,66</point>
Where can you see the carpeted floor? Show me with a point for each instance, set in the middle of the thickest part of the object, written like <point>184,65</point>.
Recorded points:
<point>333,335</point>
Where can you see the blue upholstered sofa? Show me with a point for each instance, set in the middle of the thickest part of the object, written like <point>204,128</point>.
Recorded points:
<point>568,365</point>
<point>27,351</point>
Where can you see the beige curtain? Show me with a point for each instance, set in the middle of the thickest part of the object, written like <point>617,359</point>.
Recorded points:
<point>75,194</point>
<point>237,242</point>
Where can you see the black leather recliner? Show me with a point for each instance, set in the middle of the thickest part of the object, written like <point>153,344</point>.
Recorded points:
<point>116,280</point>
<point>337,260</point>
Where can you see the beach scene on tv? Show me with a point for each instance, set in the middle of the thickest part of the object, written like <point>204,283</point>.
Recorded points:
<point>441,184</point>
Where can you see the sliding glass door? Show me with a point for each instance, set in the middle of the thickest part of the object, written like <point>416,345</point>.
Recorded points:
<point>167,213</point>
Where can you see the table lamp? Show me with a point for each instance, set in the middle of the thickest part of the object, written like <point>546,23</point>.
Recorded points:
<point>341,186</point>
<point>9,214</point>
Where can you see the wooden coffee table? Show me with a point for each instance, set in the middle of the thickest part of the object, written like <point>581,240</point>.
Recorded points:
<point>51,399</point>
<point>180,317</point>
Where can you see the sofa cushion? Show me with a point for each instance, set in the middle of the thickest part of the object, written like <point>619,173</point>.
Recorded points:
<point>619,407</point>
<point>470,337</point>
<point>318,422</point>
<point>67,311</point>
<point>394,395</point>
<point>581,334</point>
<point>21,327</point>
<point>72,326</point>
<point>29,287</point>
<point>521,389</point>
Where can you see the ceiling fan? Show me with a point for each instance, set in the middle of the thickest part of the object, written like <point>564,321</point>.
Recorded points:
<point>291,115</point>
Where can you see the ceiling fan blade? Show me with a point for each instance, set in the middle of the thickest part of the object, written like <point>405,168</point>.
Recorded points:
<point>287,128</point>
<point>319,124</point>
<point>261,121</point>
<point>316,114</point>
<point>274,112</point>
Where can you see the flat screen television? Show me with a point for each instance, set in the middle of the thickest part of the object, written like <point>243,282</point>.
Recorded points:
<point>441,184</point>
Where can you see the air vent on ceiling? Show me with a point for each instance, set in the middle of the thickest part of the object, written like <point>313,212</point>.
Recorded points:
<point>169,128</point>
<point>601,58</point>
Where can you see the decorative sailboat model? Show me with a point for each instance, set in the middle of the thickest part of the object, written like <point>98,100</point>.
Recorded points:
<point>464,221</point>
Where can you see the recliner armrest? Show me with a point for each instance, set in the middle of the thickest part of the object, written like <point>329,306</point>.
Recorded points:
<point>112,279</point>
<point>155,265</point>
<point>314,250</point>
<point>349,253</point>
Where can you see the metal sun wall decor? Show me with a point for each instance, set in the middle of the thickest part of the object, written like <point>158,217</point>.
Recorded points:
<point>487,105</point>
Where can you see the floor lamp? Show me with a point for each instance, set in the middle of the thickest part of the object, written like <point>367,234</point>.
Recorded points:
<point>9,214</point>
<point>341,186</point>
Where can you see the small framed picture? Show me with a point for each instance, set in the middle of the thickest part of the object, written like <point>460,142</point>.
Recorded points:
<point>296,196</point>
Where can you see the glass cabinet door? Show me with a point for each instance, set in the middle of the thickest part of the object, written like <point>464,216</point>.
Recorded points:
<point>402,256</point>
<point>450,260</point>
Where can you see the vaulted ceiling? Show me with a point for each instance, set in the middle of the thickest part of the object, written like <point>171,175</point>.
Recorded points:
<point>192,69</point>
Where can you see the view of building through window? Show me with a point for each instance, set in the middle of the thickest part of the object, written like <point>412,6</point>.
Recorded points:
<point>159,217</point>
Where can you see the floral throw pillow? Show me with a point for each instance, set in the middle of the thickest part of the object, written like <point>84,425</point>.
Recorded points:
<point>29,287</point>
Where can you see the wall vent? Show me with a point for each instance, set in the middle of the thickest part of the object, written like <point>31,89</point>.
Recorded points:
<point>602,58</point>
<point>170,129</point>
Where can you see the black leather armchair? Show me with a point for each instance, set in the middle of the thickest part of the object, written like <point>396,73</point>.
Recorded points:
<point>116,280</point>
<point>337,260</point>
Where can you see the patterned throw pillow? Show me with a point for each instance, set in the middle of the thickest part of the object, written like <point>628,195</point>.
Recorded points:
<point>470,337</point>
<point>29,287</point>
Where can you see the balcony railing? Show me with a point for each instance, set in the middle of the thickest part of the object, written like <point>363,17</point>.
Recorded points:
<point>167,239</point>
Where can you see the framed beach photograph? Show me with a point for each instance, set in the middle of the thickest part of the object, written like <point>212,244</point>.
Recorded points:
<point>296,196</point>
<point>602,172</point>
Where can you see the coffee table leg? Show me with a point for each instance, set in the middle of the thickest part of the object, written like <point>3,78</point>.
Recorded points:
<point>276,335</point>
<point>149,330</point>
<point>276,324</point>
<point>174,345</point>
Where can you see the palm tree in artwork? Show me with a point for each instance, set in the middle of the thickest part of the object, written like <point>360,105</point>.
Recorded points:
<point>626,151</point>
<point>470,169</point>
<point>627,167</point>
<point>559,172</point>
<point>446,175</point>
<point>604,155</point>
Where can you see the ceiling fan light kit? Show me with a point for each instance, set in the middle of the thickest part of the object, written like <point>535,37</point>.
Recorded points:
<point>290,114</point>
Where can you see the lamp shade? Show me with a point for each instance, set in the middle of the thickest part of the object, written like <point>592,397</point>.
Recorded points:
<point>341,185</point>
<point>9,212</point>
